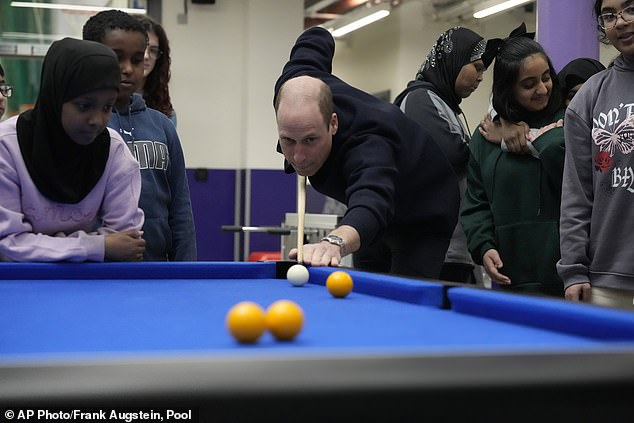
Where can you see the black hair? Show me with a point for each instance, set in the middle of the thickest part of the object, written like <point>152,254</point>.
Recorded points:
<point>1,71</point>
<point>506,72</point>
<point>597,7</point>
<point>597,11</point>
<point>97,26</point>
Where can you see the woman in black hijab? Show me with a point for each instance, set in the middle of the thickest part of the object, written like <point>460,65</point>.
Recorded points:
<point>63,170</point>
<point>574,74</point>
<point>451,71</point>
<point>69,187</point>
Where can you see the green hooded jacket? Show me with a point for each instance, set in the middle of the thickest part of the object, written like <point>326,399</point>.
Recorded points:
<point>512,204</point>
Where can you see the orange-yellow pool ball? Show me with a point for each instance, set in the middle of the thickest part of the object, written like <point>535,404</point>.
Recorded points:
<point>284,319</point>
<point>246,321</point>
<point>339,284</point>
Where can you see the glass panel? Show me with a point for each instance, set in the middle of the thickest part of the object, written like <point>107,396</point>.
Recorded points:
<point>27,33</point>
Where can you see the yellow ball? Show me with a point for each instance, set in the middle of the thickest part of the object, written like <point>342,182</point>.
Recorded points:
<point>246,321</point>
<point>339,284</point>
<point>284,319</point>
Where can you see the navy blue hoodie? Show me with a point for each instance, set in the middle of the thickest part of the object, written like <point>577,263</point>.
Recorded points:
<point>382,165</point>
<point>169,225</point>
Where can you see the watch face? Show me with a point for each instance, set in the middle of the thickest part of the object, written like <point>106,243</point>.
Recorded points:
<point>334,239</point>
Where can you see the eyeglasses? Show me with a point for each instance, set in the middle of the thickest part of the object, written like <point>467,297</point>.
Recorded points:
<point>6,90</point>
<point>608,20</point>
<point>154,52</point>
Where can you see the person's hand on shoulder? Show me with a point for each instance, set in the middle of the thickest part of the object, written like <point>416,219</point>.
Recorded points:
<point>515,137</point>
<point>491,130</point>
<point>492,262</point>
<point>125,246</point>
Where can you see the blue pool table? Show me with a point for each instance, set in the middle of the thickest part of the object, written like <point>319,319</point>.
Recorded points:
<point>145,333</point>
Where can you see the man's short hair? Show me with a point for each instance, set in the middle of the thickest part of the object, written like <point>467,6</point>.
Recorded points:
<point>326,103</point>
<point>324,100</point>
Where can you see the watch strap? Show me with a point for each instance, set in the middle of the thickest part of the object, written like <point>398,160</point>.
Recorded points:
<point>334,239</point>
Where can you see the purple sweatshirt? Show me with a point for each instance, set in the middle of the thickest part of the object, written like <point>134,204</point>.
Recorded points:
<point>34,228</point>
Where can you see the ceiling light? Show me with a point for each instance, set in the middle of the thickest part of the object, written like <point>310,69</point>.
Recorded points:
<point>490,8</point>
<point>454,11</point>
<point>358,19</point>
<point>76,7</point>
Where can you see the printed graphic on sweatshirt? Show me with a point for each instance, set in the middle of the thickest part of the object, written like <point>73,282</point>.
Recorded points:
<point>63,214</point>
<point>623,177</point>
<point>150,154</point>
<point>610,141</point>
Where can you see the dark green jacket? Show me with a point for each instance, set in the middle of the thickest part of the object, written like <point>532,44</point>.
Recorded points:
<point>512,205</point>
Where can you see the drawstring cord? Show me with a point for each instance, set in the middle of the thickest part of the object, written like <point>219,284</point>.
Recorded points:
<point>122,131</point>
<point>464,120</point>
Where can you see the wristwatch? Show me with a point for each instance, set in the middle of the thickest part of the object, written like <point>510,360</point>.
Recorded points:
<point>335,240</point>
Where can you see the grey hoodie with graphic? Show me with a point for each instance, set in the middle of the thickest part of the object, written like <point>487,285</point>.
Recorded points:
<point>597,207</point>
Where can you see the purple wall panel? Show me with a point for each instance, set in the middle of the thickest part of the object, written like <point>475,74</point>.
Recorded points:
<point>567,30</point>
<point>213,203</point>
<point>273,193</point>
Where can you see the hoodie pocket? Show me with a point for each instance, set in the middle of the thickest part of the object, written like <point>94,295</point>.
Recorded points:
<point>530,251</point>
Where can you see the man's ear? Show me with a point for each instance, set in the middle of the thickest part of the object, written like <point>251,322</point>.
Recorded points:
<point>334,123</point>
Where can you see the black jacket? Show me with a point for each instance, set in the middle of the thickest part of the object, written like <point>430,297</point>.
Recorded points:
<point>382,165</point>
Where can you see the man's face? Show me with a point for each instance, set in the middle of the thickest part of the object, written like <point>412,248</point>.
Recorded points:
<point>305,139</point>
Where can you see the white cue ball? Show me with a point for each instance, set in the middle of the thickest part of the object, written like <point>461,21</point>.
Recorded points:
<point>297,275</point>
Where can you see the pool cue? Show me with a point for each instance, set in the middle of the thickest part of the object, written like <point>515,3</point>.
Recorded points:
<point>301,210</point>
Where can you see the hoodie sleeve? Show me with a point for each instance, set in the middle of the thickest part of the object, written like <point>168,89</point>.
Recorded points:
<point>371,171</point>
<point>476,216</point>
<point>181,220</point>
<point>120,209</point>
<point>312,54</point>
<point>442,124</point>
<point>576,201</point>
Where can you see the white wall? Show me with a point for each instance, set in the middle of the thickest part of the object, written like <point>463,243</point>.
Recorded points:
<point>225,61</point>
<point>386,55</point>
